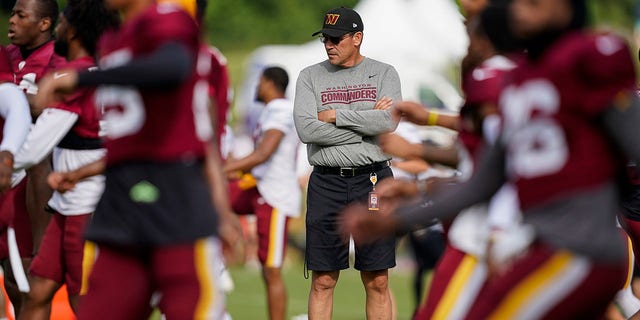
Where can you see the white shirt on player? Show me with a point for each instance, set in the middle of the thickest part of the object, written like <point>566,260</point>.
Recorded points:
<point>52,125</point>
<point>84,197</point>
<point>277,178</point>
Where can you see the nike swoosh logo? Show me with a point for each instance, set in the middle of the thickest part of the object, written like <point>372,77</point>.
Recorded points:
<point>60,75</point>
<point>372,76</point>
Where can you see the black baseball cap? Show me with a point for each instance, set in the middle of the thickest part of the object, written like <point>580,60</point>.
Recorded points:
<point>340,21</point>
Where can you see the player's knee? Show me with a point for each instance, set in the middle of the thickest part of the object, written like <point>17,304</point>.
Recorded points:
<point>38,297</point>
<point>271,275</point>
<point>324,282</point>
<point>375,282</point>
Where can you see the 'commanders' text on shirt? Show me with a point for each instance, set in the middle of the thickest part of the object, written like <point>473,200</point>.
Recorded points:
<point>349,94</point>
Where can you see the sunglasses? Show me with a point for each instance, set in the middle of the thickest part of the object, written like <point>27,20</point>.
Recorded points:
<point>334,40</point>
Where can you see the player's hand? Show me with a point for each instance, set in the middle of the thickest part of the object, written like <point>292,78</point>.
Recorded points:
<point>234,175</point>
<point>365,226</point>
<point>412,112</point>
<point>61,181</point>
<point>328,116</point>
<point>383,104</point>
<point>6,170</point>
<point>230,232</point>
<point>52,88</point>
<point>395,145</point>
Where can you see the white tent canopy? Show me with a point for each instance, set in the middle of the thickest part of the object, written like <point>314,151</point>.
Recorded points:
<point>422,39</point>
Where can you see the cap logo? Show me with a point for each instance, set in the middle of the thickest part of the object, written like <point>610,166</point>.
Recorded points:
<point>331,18</point>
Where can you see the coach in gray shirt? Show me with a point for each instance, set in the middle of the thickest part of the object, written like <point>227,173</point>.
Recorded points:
<point>341,105</point>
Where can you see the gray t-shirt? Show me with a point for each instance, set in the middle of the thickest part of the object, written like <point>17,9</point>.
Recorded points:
<point>352,92</point>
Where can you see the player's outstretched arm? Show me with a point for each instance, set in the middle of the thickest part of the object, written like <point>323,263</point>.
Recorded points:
<point>14,108</point>
<point>65,181</point>
<point>447,155</point>
<point>229,228</point>
<point>397,146</point>
<point>50,128</point>
<point>412,166</point>
<point>264,150</point>
<point>15,111</point>
<point>52,88</point>
<point>420,115</point>
<point>167,66</point>
<point>489,177</point>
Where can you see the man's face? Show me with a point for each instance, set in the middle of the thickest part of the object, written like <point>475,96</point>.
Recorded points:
<point>61,46</point>
<point>341,50</point>
<point>261,88</point>
<point>532,17</point>
<point>25,24</point>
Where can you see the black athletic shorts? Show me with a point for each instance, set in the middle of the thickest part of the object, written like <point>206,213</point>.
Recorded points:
<point>152,204</point>
<point>326,248</point>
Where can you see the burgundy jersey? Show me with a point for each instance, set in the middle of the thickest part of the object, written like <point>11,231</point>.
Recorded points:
<point>81,102</point>
<point>27,72</point>
<point>160,125</point>
<point>555,144</point>
<point>218,79</point>
<point>481,86</point>
<point>6,75</point>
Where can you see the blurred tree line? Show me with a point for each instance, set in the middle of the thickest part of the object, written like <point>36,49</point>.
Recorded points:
<point>235,24</point>
<point>246,24</point>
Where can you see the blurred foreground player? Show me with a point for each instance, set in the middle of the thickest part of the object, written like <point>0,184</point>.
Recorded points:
<point>155,224</point>
<point>468,234</point>
<point>71,129</point>
<point>569,109</point>
<point>31,53</point>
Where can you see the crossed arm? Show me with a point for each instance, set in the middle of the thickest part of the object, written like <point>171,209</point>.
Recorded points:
<point>337,127</point>
<point>311,129</point>
<point>365,122</point>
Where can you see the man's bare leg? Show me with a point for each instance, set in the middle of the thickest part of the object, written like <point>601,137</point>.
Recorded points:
<point>11,287</point>
<point>321,295</point>
<point>376,285</point>
<point>38,194</point>
<point>276,293</point>
<point>37,304</point>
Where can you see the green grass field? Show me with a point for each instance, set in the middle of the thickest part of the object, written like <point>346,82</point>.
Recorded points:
<point>247,301</point>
